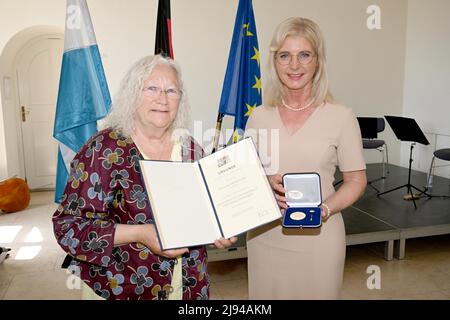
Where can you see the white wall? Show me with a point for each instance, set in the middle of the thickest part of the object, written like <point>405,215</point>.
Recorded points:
<point>366,67</point>
<point>363,74</point>
<point>427,79</point>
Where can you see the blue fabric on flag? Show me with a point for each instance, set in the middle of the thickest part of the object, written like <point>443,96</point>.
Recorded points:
<point>62,175</point>
<point>241,90</point>
<point>83,98</point>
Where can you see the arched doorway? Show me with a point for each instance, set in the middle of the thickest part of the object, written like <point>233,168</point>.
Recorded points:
<point>32,62</point>
<point>38,67</point>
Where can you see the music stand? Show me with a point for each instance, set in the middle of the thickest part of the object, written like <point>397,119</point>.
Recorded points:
<point>407,129</point>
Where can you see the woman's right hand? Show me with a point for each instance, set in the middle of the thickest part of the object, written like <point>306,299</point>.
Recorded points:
<point>149,238</point>
<point>276,182</point>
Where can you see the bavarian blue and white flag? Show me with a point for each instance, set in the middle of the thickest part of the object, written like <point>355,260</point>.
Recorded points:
<point>83,96</point>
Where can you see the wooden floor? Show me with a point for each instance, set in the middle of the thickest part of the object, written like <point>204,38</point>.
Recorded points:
<point>33,269</point>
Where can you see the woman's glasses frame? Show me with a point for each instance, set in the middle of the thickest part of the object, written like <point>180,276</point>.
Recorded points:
<point>284,58</point>
<point>155,91</point>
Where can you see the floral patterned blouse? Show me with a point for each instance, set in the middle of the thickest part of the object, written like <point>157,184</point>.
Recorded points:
<point>105,188</point>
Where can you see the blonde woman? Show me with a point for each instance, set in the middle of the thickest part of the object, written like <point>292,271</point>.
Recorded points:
<point>315,135</point>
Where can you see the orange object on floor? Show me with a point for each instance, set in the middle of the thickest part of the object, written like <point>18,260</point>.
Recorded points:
<point>14,195</point>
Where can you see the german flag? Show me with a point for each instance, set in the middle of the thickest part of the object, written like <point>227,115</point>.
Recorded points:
<point>163,42</point>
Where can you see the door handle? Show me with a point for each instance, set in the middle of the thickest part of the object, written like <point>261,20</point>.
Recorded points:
<point>24,112</point>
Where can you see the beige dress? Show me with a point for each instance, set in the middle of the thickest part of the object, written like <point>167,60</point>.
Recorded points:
<point>302,263</point>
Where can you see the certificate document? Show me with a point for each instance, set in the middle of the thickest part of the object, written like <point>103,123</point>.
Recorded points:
<point>222,195</point>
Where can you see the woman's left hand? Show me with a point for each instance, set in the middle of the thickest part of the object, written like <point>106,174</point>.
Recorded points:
<point>223,243</point>
<point>324,213</point>
<point>276,182</point>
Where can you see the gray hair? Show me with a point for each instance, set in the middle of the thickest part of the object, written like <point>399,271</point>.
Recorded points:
<point>310,31</point>
<point>130,96</point>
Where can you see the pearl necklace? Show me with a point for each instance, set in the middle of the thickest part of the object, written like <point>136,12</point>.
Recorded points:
<point>296,109</point>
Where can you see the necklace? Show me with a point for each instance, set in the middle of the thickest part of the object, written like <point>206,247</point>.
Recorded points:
<point>296,109</point>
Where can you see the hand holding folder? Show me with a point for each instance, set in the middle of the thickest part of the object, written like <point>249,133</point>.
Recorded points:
<point>220,196</point>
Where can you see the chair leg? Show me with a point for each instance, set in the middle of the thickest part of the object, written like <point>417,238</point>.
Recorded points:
<point>383,176</point>
<point>430,175</point>
<point>383,163</point>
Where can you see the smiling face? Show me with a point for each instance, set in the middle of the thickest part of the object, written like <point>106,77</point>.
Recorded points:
<point>159,105</point>
<point>295,75</point>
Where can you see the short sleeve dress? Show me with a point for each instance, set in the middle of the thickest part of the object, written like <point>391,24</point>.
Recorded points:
<point>302,263</point>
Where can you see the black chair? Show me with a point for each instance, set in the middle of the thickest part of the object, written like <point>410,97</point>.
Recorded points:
<point>370,127</point>
<point>443,154</point>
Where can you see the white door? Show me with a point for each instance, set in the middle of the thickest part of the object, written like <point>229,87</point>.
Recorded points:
<point>38,69</point>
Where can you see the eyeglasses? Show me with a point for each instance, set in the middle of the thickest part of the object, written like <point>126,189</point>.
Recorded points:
<point>154,91</point>
<point>285,58</point>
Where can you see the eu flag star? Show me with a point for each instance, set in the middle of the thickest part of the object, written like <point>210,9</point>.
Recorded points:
<point>236,135</point>
<point>247,27</point>
<point>256,56</point>
<point>257,84</point>
<point>249,109</point>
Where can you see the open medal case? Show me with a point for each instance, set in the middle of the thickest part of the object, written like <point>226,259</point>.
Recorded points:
<point>304,197</point>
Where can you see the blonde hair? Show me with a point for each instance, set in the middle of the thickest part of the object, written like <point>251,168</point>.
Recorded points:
<point>129,96</point>
<point>308,29</point>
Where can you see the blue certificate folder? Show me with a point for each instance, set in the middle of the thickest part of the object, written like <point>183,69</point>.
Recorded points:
<point>304,197</point>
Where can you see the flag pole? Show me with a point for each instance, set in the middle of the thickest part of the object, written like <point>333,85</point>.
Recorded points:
<point>217,134</point>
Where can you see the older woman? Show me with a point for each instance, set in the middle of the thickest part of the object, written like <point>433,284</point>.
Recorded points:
<point>105,221</point>
<point>315,135</point>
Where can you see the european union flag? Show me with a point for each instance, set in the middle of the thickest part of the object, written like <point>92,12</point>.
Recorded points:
<point>83,96</point>
<point>241,91</point>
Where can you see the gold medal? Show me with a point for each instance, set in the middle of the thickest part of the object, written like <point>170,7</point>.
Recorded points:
<point>298,215</point>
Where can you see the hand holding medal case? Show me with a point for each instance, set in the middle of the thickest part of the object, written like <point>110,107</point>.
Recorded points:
<point>304,198</point>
